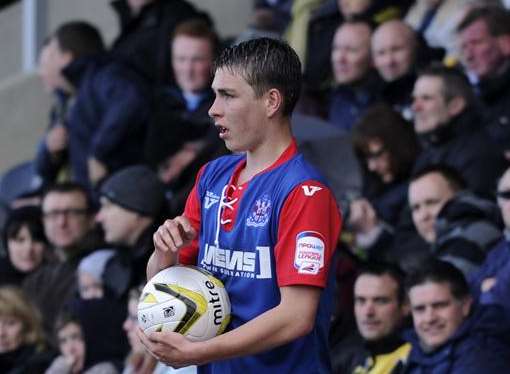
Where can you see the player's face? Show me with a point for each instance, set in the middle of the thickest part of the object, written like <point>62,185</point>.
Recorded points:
<point>376,306</point>
<point>437,314</point>
<point>238,114</point>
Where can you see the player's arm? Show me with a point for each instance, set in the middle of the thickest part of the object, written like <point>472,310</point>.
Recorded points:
<point>292,318</point>
<point>309,209</point>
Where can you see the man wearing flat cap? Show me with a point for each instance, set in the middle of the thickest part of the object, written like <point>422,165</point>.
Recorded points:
<point>132,202</point>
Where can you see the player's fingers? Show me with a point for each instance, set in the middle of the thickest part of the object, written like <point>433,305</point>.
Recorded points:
<point>166,233</point>
<point>189,233</point>
<point>175,234</point>
<point>162,241</point>
<point>143,339</point>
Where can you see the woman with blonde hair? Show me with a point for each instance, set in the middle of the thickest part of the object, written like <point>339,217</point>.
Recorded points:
<point>22,348</point>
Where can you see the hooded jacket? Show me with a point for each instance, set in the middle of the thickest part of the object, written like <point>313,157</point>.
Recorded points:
<point>478,346</point>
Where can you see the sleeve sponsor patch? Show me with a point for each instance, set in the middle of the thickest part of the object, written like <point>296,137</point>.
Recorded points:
<point>309,254</point>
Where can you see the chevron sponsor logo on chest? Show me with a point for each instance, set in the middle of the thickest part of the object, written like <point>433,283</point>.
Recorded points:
<point>309,254</point>
<point>238,263</point>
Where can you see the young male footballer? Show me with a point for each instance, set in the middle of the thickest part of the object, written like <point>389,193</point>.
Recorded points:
<point>261,220</point>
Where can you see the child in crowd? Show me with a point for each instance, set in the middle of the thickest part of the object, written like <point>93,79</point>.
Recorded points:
<point>90,274</point>
<point>73,350</point>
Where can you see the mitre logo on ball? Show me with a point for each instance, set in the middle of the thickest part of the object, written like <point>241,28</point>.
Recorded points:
<point>184,299</point>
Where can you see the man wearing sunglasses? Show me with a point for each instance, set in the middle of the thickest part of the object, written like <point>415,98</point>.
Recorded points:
<point>492,280</point>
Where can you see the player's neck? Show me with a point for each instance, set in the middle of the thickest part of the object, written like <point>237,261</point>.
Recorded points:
<point>266,153</point>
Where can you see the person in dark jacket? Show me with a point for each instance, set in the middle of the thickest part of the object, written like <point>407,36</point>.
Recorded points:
<point>457,225</point>
<point>450,129</point>
<point>51,161</point>
<point>452,334</point>
<point>106,124</point>
<point>484,39</point>
<point>27,247</point>
<point>145,26</point>
<point>323,23</point>
<point>181,136</point>
<point>356,83</point>
<point>386,147</point>
<point>68,219</point>
<point>132,205</point>
<point>491,280</point>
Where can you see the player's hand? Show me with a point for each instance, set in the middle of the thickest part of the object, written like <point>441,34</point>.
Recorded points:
<point>171,348</point>
<point>173,235</point>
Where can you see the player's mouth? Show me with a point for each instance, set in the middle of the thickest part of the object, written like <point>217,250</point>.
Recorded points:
<point>222,130</point>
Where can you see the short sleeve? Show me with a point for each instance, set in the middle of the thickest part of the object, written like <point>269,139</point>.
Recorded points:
<point>189,254</point>
<point>309,226</point>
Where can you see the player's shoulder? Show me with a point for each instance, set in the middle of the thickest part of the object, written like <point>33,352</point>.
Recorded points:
<point>299,169</point>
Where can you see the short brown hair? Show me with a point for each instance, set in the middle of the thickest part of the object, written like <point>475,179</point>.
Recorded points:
<point>497,19</point>
<point>200,29</point>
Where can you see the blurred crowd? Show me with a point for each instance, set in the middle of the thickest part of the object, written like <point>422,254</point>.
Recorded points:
<point>405,108</point>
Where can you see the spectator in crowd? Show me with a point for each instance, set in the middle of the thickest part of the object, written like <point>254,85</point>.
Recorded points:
<point>451,334</point>
<point>449,129</point>
<point>51,162</point>
<point>95,299</point>
<point>394,50</point>
<point>132,205</point>
<point>269,19</point>
<point>492,277</point>
<point>380,309</point>
<point>69,226</point>
<point>138,360</point>
<point>91,274</point>
<point>106,124</point>
<point>322,24</point>
<point>73,358</point>
<point>181,135</point>
<point>386,147</point>
<point>26,245</point>
<point>21,337</point>
<point>484,39</point>
<point>356,83</point>
<point>145,26</point>
<point>458,226</point>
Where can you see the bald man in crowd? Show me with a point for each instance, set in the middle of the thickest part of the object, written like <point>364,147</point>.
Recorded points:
<point>356,83</point>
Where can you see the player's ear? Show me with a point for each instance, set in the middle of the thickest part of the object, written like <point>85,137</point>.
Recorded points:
<point>274,101</point>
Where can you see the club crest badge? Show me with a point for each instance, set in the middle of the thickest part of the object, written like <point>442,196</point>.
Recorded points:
<point>260,212</point>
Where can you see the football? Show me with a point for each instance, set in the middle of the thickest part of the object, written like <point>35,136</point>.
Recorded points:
<point>184,299</point>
